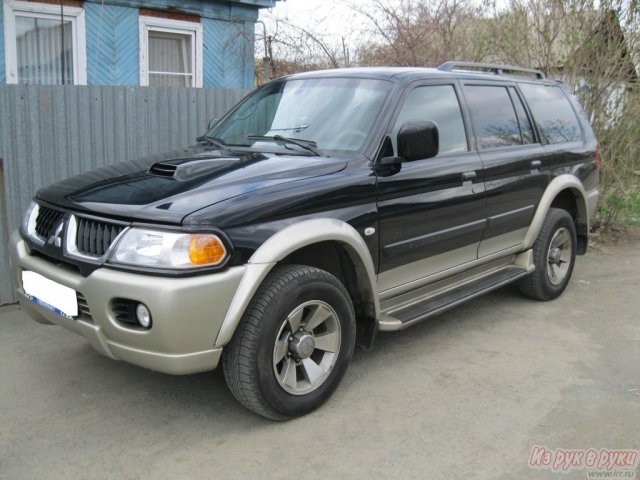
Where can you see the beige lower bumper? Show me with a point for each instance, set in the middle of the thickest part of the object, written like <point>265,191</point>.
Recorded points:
<point>187,312</point>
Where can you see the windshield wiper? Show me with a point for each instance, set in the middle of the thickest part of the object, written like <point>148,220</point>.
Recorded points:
<point>214,141</point>
<point>309,145</point>
<point>297,129</point>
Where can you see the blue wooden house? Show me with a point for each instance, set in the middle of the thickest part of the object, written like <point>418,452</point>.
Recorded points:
<point>194,43</point>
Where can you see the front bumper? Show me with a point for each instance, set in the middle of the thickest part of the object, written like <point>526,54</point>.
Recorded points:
<point>187,312</point>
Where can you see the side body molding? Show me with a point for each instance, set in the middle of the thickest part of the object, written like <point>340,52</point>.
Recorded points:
<point>557,185</point>
<point>287,241</point>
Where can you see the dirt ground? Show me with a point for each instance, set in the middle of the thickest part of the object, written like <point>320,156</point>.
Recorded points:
<point>466,395</point>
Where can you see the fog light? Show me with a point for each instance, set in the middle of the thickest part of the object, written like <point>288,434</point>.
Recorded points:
<point>143,315</point>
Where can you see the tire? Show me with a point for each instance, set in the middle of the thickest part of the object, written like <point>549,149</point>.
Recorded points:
<point>293,344</point>
<point>554,255</point>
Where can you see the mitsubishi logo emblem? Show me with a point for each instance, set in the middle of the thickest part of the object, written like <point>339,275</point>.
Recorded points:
<point>56,238</point>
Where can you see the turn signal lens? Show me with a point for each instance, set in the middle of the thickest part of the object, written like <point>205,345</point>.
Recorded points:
<point>206,250</point>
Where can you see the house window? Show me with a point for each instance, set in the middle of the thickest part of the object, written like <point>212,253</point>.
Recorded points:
<point>44,46</point>
<point>170,53</point>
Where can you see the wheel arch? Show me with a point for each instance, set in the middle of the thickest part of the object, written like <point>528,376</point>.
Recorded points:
<point>565,192</point>
<point>296,243</point>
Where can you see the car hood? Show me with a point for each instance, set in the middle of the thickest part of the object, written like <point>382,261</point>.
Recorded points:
<point>166,188</point>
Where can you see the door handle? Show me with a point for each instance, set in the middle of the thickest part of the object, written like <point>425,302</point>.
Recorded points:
<point>467,176</point>
<point>535,165</point>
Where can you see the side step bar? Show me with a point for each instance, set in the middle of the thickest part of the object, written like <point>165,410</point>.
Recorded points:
<point>414,313</point>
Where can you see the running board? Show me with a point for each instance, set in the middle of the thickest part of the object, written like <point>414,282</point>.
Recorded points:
<point>416,312</point>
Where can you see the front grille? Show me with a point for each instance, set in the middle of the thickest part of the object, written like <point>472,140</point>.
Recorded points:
<point>94,237</point>
<point>47,221</point>
<point>83,308</point>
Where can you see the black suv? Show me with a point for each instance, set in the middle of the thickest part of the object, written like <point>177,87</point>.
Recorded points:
<point>323,208</point>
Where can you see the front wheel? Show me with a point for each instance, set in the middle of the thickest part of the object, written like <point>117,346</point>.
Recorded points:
<point>554,255</point>
<point>293,344</point>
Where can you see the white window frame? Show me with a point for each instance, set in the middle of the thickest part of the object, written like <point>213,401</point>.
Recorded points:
<point>43,10</point>
<point>155,24</point>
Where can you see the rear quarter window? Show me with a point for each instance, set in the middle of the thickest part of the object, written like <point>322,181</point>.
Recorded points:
<point>552,112</point>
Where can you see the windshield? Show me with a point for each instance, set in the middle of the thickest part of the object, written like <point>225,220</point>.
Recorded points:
<point>334,113</point>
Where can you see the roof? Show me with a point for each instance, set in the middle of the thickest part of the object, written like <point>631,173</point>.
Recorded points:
<point>407,74</point>
<point>190,5</point>
<point>257,3</point>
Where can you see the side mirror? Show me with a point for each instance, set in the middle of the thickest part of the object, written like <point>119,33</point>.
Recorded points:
<point>418,140</point>
<point>212,123</point>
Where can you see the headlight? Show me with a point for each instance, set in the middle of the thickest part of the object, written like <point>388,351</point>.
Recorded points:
<point>157,249</point>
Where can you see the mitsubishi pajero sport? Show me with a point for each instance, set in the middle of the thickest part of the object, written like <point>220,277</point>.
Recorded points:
<point>324,208</point>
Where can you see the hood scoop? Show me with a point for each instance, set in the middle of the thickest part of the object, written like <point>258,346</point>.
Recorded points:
<point>163,169</point>
<point>190,169</point>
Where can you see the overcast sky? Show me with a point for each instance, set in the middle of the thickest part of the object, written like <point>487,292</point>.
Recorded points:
<point>342,21</point>
<point>336,17</point>
<point>305,11</point>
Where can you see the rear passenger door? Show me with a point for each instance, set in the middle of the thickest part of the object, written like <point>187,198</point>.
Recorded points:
<point>560,131</point>
<point>431,211</point>
<point>513,162</point>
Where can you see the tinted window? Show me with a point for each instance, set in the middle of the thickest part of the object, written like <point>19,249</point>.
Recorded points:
<point>523,119</point>
<point>494,118</point>
<point>552,112</point>
<point>438,103</point>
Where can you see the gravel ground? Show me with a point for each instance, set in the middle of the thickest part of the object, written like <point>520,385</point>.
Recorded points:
<point>464,395</point>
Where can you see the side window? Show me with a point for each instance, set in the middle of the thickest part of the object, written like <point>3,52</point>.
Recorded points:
<point>552,112</point>
<point>494,118</point>
<point>438,103</point>
<point>523,119</point>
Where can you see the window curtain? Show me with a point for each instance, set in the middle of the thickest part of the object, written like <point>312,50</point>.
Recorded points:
<point>170,63</point>
<point>40,51</point>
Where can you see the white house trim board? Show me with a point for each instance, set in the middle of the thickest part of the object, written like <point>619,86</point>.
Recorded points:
<point>155,24</point>
<point>42,10</point>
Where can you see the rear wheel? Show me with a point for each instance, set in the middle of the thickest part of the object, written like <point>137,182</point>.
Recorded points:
<point>293,344</point>
<point>554,254</point>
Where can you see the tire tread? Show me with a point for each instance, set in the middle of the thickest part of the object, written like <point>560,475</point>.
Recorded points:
<point>533,286</point>
<point>238,357</point>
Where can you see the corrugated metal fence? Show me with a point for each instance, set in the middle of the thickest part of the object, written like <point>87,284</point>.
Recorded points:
<point>48,133</point>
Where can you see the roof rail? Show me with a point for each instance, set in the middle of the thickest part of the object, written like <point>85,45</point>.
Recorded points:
<point>492,68</point>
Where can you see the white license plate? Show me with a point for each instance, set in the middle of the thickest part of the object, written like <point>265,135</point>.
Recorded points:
<point>50,294</point>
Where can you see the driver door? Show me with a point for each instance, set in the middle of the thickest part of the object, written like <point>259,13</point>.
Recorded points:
<point>431,211</point>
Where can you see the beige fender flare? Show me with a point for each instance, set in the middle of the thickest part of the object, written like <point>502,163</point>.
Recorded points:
<point>287,241</point>
<point>557,185</point>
